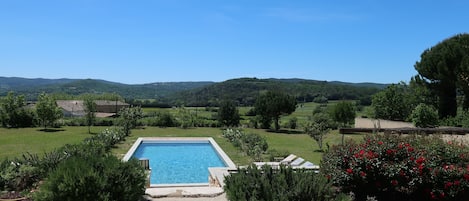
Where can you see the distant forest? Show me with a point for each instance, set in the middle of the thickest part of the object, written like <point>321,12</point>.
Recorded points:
<point>166,94</point>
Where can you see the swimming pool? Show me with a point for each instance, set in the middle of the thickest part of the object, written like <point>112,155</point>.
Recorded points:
<point>180,161</point>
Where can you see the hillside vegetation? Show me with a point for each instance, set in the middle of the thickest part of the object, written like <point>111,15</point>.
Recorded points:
<point>243,90</point>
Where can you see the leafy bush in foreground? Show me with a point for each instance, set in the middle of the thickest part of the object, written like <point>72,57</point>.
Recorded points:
<point>405,168</point>
<point>284,184</point>
<point>94,178</point>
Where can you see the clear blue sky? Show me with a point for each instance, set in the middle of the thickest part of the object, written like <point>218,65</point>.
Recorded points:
<point>144,41</point>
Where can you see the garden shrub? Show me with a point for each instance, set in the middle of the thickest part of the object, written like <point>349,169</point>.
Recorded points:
<point>94,178</point>
<point>250,143</point>
<point>25,172</point>
<point>424,116</point>
<point>405,168</point>
<point>284,184</point>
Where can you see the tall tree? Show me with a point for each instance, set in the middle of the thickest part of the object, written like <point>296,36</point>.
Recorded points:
<point>228,114</point>
<point>344,113</point>
<point>272,104</point>
<point>129,118</point>
<point>445,67</point>
<point>90,112</point>
<point>318,126</point>
<point>47,110</point>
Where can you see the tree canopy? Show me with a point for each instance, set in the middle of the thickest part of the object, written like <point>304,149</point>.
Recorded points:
<point>228,114</point>
<point>392,103</point>
<point>47,110</point>
<point>272,104</point>
<point>445,67</point>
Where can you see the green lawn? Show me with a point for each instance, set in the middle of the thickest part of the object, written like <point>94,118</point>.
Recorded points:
<point>15,142</point>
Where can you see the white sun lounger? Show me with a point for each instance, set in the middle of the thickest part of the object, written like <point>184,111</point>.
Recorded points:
<point>297,162</point>
<point>273,164</point>
<point>309,165</point>
<point>288,159</point>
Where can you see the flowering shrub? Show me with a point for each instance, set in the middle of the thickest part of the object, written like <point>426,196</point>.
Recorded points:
<point>393,167</point>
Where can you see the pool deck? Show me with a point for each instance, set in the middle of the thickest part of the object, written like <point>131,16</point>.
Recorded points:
<point>189,192</point>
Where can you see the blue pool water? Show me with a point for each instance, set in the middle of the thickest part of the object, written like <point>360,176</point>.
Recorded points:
<point>176,163</point>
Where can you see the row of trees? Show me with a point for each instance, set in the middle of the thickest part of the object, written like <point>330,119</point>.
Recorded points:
<point>14,112</point>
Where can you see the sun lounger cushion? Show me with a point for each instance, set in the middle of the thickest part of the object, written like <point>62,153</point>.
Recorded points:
<point>309,165</point>
<point>297,162</point>
<point>288,159</point>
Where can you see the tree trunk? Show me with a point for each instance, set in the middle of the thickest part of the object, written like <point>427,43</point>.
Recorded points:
<point>465,105</point>
<point>277,126</point>
<point>447,104</point>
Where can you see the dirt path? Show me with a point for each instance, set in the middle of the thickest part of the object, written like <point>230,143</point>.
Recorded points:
<point>368,123</point>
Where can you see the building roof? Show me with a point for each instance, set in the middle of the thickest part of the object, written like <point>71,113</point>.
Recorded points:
<point>71,105</point>
<point>110,102</point>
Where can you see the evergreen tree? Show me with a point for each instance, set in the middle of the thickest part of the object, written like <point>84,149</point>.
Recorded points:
<point>228,114</point>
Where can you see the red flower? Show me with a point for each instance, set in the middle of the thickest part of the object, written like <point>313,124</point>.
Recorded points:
<point>457,183</point>
<point>420,169</point>
<point>466,177</point>
<point>389,152</point>
<point>402,173</point>
<point>394,182</point>
<point>410,149</point>
<point>370,155</point>
<point>349,171</point>
<point>448,184</point>
<point>420,160</point>
<point>363,174</point>
<point>380,142</point>
<point>400,146</point>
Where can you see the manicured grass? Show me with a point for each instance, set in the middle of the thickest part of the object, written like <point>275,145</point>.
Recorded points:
<point>15,142</point>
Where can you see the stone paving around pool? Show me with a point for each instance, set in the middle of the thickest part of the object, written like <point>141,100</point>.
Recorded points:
<point>189,192</point>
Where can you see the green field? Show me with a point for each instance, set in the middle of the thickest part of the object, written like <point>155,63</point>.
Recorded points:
<point>15,142</point>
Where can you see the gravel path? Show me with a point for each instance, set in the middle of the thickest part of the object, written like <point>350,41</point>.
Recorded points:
<point>368,123</point>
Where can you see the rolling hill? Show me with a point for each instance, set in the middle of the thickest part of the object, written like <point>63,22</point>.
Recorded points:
<point>242,90</point>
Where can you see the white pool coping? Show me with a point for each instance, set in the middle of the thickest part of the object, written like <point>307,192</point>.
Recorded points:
<point>216,173</point>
